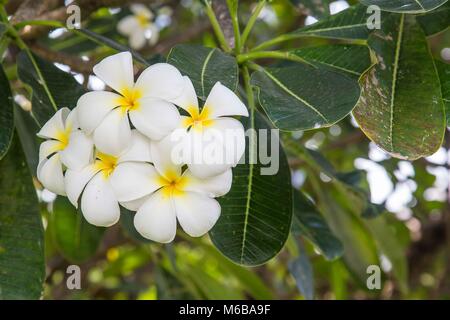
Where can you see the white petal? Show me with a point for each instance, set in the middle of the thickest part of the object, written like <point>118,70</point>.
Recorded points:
<point>79,152</point>
<point>134,205</point>
<point>116,71</point>
<point>215,186</point>
<point>166,159</point>
<point>138,8</point>
<point>137,39</point>
<point>71,122</point>
<point>48,147</point>
<point>99,204</point>
<point>215,148</point>
<point>128,25</point>
<point>55,125</point>
<point>222,101</point>
<point>161,80</point>
<point>196,213</point>
<point>139,149</point>
<point>156,219</point>
<point>134,180</point>
<point>113,135</point>
<point>154,37</point>
<point>188,98</point>
<point>75,181</point>
<point>92,108</point>
<point>50,174</point>
<point>155,118</point>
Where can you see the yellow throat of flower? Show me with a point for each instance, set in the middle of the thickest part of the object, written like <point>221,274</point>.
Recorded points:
<point>198,120</point>
<point>63,138</point>
<point>173,184</point>
<point>129,99</point>
<point>105,163</point>
<point>142,19</point>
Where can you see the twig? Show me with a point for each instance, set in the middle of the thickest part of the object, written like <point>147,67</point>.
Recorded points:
<point>223,17</point>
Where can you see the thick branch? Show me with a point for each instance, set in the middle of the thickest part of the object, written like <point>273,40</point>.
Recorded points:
<point>223,16</point>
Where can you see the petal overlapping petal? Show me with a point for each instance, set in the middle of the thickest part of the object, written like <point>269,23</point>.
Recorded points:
<point>222,101</point>
<point>116,71</point>
<point>79,151</point>
<point>50,174</point>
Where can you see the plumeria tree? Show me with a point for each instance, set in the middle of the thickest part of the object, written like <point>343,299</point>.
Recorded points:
<point>219,149</point>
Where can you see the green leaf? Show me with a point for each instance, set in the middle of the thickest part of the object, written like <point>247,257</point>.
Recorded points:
<point>100,39</point>
<point>6,114</point>
<point>74,237</point>
<point>302,271</point>
<point>205,66</point>
<point>315,8</point>
<point>304,97</point>
<point>27,128</point>
<point>405,6</point>
<point>22,265</point>
<point>308,222</point>
<point>252,227</point>
<point>435,21</point>
<point>352,60</point>
<point>52,87</point>
<point>401,106</point>
<point>348,24</point>
<point>444,76</point>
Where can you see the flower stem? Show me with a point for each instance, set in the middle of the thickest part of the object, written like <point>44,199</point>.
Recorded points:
<point>269,55</point>
<point>216,27</point>
<point>233,9</point>
<point>276,40</point>
<point>251,22</point>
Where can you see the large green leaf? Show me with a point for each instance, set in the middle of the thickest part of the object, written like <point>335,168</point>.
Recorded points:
<point>6,114</point>
<point>204,66</point>
<point>75,238</point>
<point>401,106</point>
<point>303,97</point>
<point>252,227</point>
<point>406,6</point>
<point>351,60</point>
<point>308,222</point>
<point>26,128</point>
<point>444,76</point>
<point>22,266</point>
<point>52,87</point>
<point>348,24</point>
<point>301,269</point>
<point>435,21</point>
<point>315,8</point>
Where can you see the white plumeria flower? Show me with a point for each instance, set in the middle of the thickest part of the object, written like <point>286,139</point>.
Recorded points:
<point>209,141</point>
<point>105,114</point>
<point>139,27</point>
<point>96,183</point>
<point>66,147</point>
<point>162,194</point>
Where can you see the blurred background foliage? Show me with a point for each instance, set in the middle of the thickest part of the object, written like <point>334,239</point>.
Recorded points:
<point>334,235</point>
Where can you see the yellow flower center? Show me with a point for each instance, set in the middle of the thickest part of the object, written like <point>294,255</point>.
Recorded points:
<point>173,184</point>
<point>143,19</point>
<point>129,99</point>
<point>63,138</point>
<point>198,120</point>
<point>105,163</point>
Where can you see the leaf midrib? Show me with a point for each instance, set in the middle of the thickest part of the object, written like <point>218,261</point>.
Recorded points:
<point>202,75</point>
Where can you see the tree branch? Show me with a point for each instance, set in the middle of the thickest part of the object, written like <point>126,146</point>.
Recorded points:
<point>220,9</point>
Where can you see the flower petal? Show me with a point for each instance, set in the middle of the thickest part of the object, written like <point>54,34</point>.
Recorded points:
<point>99,203</point>
<point>71,122</point>
<point>116,71</point>
<point>154,34</point>
<point>79,152</point>
<point>53,128</point>
<point>92,108</point>
<point>139,149</point>
<point>196,213</point>
<point>160,80</point>
<point>216,148</point>
<point>128,25</point>
<point>75,181</point>
<point>188,98</point>
<point>140,9</point>
<point>137,39</point>
<point>165,157</point>
<point>134,180</point>
<point>50,174</point>
<point>155,118</point>
<point>48,148</point>
<point>134,205</point>
<point>215,186</point>
<point>113,135</point>
<point>156,219</point>
<point>222,101</point>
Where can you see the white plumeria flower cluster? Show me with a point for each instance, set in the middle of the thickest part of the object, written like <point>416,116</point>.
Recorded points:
<point>118,148</point>
<point>139,27</point>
